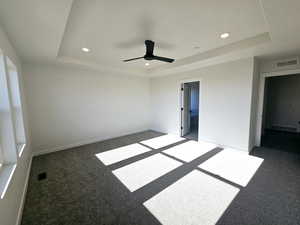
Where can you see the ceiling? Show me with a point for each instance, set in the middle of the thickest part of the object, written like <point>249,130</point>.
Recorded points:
<point>54,31</point>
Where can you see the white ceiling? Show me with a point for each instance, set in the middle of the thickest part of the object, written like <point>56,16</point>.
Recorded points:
<point>56,30</point>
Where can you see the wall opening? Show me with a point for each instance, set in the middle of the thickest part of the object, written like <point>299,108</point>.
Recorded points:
<point>190,110</point>
<point>281,113</point>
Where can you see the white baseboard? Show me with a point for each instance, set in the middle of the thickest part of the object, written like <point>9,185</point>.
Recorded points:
<point>20,212</point>
<point>83,142</point>
<point>206,140</point>
<point>223,146</point>
<point>64,147</point>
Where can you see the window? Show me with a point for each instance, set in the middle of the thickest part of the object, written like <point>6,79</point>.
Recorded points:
<point>1,157</point>
<point>16,107</point>
<point>12,134</point>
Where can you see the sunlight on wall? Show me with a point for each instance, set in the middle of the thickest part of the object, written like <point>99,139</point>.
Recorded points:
<point>189,151</point>
<point>140,173</point>
<point>162,141</point>
<point>122,153</point>
<point>233,165</point>
<point>196,198</point>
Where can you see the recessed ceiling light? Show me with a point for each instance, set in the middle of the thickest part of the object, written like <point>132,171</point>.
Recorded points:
<point>85,49</point>
<point>224,35</point>
<point>147,64</point>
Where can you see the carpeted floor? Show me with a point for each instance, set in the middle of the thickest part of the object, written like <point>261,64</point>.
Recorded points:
<point>280,140</point>
<point>137,180</point>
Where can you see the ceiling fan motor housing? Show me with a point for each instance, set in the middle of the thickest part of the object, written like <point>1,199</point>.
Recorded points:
<point>148,57</point>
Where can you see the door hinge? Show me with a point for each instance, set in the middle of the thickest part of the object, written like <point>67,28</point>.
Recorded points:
<point>181,89</point>
<point>181,109</point>
<point>181,128</point>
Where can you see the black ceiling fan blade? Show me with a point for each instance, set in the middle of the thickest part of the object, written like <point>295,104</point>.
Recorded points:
<point>127,60</point>
<point>149,47</point>
<point>164,59</point>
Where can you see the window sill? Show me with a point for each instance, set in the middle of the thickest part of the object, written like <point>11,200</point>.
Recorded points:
<point>6,173</point>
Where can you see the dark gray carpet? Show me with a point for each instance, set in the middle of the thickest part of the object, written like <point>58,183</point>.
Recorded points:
<point>80,189</point>
<point>280,140</point>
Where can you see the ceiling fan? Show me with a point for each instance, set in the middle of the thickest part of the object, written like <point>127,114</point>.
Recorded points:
<point>149,54</point>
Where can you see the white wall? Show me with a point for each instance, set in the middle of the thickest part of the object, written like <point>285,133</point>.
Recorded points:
<point>69,106</point>
<point>225,103</point>
<point>11,203</point>
<point>283,104</point>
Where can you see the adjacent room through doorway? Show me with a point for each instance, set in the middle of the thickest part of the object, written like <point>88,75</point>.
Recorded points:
<point>190,110</point>
<point>281,117</point>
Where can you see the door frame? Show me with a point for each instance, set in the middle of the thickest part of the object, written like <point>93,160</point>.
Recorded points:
<point>261,98</point>
<point>185,109</point>
<point>181,82</point>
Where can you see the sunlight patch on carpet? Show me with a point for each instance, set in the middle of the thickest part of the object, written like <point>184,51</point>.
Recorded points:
<point>190,150</point>
<point>195,199</point>
<point>122,153</point>
<point>162,141</point>
<point>234,165</point>
<point>142,172</point>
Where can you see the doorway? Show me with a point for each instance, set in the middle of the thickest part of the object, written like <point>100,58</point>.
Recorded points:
<point>190,110</point>
<point>281,113</point>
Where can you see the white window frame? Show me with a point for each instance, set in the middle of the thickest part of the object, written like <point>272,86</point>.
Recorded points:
<point>1,157</point>
<point>18,120</point>
<point>8,143</point>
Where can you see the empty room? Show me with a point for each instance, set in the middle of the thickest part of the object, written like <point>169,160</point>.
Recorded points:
<point>149,112</point>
